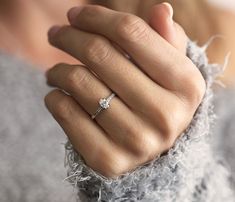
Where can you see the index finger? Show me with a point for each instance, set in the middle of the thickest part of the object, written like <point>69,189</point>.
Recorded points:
<point>155,56</point>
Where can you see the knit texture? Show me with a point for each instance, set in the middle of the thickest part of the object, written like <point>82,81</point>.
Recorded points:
<point>188,172</point>
<point>31,149</point>
<point>31,142</point>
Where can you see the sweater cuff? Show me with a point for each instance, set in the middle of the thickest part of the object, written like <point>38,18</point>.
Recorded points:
<point>175,174</point>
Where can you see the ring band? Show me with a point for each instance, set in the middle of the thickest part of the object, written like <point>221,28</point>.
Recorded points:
<point>104,104</point>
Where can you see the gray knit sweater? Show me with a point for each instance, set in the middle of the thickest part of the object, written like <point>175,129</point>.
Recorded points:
<point>31,148</point>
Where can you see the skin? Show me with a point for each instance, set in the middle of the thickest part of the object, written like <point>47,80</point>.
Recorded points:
<point>140,124</point>
<point>23,38</point>
<point>20,37</point>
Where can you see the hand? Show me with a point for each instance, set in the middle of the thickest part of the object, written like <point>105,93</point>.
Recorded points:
<point>158,90</point>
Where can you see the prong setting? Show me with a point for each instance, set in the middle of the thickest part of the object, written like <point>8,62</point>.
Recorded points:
<point>104,104</point>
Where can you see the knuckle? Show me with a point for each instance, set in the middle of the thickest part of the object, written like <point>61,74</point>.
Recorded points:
<point>172,122</point>
<point>97,50</point>
<point>62,109</point>
<point>78,78</point>
<point>112,164</point>
<point>199,89</point>
<point>169,139</point>
<point>110,170</point>
<point>175,121</point>
<point>50,97</point>
<point>60,37</point>
<point>146,149</point>
<point>131,28</point>
<point>195,88</point>
<point>145,145</point>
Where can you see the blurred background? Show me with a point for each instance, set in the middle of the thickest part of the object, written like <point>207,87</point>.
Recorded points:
<point>31,142</point>
<point>228,4</point>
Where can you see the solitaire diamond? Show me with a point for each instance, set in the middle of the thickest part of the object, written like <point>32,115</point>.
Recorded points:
<point>104,103</point>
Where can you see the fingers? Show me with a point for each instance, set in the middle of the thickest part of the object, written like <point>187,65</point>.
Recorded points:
<point>80,83</point>
<point>161,20</point>
<point>98,150</point>
<point>81,130</point>
<point>148,49</point>
<point>87,90</point>
<point>116,71</point>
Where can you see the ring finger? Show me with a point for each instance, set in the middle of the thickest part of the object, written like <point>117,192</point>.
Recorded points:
<point>132,85</point>
<point>87,89</point>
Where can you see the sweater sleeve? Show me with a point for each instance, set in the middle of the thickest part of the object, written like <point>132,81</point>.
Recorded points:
<point>187,172</point>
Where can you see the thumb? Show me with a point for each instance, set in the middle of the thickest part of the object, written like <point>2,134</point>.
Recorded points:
<point>161,20</point>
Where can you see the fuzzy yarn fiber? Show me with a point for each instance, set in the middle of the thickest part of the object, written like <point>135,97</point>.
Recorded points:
<point>32,148</point>
<point>188,172</point>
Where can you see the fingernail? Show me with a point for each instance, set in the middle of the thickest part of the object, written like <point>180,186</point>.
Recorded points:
<point>53,30</point>
<point>169,10</point>
<point>73,13</point>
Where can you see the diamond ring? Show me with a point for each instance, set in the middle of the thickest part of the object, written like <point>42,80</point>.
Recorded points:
<point>104,104</point>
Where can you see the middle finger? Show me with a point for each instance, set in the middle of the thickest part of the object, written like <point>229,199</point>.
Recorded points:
<point>154,55</point>
<point>119,122</point>
<point>134,87</point>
